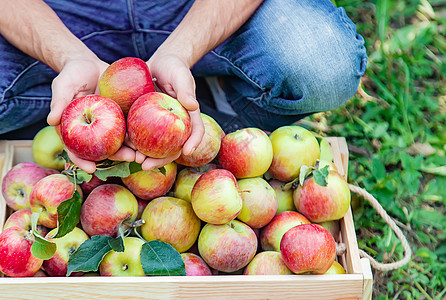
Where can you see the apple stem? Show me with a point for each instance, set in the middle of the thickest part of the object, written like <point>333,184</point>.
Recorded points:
<point>125,267</point>
<point>136,223</point>
<point>297,137</point>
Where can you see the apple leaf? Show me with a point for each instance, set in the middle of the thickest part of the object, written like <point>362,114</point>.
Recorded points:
<point>267,176</point>
<point>320,176</point>
<point>121,169</point>
<point>34,220</point>
<point>304,171</point>
<point>161,259</point>
<point>77,176</point>
<point>42,248</point>
<point>162,170</point>
<point>134,167</point>
<point>117,243</point>
<point>68,213</point>
<point>89,254</point>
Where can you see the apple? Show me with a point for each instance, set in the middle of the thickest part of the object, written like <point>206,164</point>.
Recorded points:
<point>40,273</point>
<point>106,208</point>
<point>259,202</point>
<point>158,125</point>
<point>47,194</point>
<point>22,219</point>
<point>323,203</point>
<point>293,147</point>
<point>246,153</point>
<point>195,265</point>
<point>66,245</point>
<point>209,146</point>
<point>19,181</point>
<point>125,80</point>
<point>333,227</point>
<point>216,197</point>
<point>336,268</point>
<point>127,263</point>
<point>187,178</point>
<point>93,127</point>
<point>16,259</point>
<point>228,247</point>
<point>308,248</point>
<point>271,234</point>
<point>285,200</point>
<point>267,263</point>
<point>47,148</point>
<point>94,182</point>
<point>171,220</point>
<point>148,185</point>
<point>142,204</point>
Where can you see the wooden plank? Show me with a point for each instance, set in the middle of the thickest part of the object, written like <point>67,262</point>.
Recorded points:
<point>368,279</point>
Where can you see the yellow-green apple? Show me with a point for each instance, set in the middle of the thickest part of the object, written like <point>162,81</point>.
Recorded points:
<point>284,196</point>
<point>48,193</point>
<point>216,197</point>
<point>94,182</point>
<point>127,263</point>
<point>158,125</point>
<point>246,153</point>
<point>331,165</point>
<point>195,265</point>
<point>171,220</point>
<point>148,185</point>
<point>293,147</point>
<point>19,181</point>
<point>22,219</point>
<point>228,247</point>
<point>106,208</point>
<point>323,203</point>
<point>47,148</point>
<point>259,202</point>
<point>336,268</point>
<point>271,234</point>
<point>267,263</point>
<point>333,227</point>
<point>187,178</point>
<point>66,245</point>
<point>16,259</point>
<point>308,248</point>
<point>93,127</point>
<point>209,146</point>
<point>125,80</point>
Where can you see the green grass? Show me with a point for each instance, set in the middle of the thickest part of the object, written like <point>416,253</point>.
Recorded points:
<point>395,128</point>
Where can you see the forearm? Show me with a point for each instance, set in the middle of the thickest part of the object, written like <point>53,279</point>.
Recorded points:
<point>206,25</point>
<point>33,27</point>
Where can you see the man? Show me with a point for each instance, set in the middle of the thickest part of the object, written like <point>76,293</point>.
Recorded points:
<point>277,60</point>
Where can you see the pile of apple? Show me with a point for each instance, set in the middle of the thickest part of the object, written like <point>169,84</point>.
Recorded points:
<point>242,203</point>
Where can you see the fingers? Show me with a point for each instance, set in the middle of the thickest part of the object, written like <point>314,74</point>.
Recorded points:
<point>197,133</point>
<point>153,163</point>
<point>86,165</point>
<point>61,98</point>
<point>124,154</point>
<point>184,87</point>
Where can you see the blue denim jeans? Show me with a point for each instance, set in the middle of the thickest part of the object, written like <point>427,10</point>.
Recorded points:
<point>290,59</point>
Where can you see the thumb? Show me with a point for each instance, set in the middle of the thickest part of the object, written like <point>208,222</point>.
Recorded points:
<point>184,88</point>
<point>62,96</point>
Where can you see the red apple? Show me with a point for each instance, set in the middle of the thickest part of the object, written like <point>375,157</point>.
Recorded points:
<point>246,152</point>
<point>106,208</point>
<point>22,219</point>
<point>87,187</point>
<point>323,203</point>
<point>127,263</point>
<point>271,234</point>
<point>126,80</point>
<point>187,178</point>
<point>228,247</point>
<point>19,181</point>
<point>308,248</point>
<point>195,265</point>
<point>142,204</point>
<point>158,125</point>
<point>40,273</point>
<point>267,263</point>
<point>93,127</point>
<point>216,197</point>
<point>284,197</point>
<point>148,185</point>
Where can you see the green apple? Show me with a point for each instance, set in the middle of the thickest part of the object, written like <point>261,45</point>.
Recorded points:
<point>285,200</point>
<point>336,268</point>
<point>127,263</point>
<point>47,149</point>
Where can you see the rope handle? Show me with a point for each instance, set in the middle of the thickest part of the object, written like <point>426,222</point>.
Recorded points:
<point>408,252</point>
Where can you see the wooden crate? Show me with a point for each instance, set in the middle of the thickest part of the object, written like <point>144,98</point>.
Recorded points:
<point>356,284</point>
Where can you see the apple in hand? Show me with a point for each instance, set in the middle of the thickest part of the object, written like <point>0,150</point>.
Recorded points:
<point>209,146</point>
<point>308,248</point>
<point>228,247</point>
<point>216,197</point>
<point>148,185</point>
<point>271,234</point>
<point>125,80</point>
<point>246,153</point>
<point>106,208</point>
<point>47,148</point>
<point>323,203</point>
<point>22,219</point>
<point>16,259</point>
<point>187,178</point>
<point>19,181</point>
<point>267,263</point>
<point>293,147</point>
<point>259,202</point>
<point>66,245</point>
<point>127,263</point>
<point>195,265</point>
<point>47,194</point>
<point>171,220</point>
<point>285,200</point>
<point>93,127</point>
<point>158,125</point>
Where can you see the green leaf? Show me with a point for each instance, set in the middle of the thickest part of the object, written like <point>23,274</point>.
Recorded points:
<point>117,243</point>
<point>378,168</point>
<point>77,176</point>
<point>304,171</point>
<point>135,167</point>
<point>118,170</point>
<point>162,170</point>
<point>68,213</point>
<point>161,259</point>
<point>320,176</point>
<point>34,220</point>
<point>66,157</point>
<point>42,248</point>
<point>326,151</point>
<point>89,254</point>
